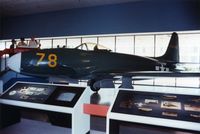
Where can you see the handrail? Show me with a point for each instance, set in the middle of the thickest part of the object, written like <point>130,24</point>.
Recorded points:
<point>5,51</point>
<point>15,50</point>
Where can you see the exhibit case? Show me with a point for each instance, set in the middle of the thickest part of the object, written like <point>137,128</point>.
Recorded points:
<point>63,104</point>
<point>137,110</point>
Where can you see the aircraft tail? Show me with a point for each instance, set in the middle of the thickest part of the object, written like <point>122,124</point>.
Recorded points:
<point>172,53</point>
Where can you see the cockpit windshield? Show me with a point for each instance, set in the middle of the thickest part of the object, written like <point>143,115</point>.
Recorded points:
<point>91,47</point>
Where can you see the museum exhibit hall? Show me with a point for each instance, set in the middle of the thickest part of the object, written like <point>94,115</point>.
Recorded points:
<point>100,67</point>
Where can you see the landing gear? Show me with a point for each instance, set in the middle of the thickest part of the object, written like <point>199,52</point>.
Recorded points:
<point>94,87</point>
<point>126,83</point>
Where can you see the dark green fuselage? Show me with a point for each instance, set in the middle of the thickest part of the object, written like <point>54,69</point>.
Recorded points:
<point>81,64</point>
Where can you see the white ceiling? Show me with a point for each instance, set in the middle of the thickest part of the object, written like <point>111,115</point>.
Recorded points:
<point>23,7</point>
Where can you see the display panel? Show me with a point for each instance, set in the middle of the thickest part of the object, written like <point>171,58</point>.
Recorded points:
<point>63,96</point>
<point>66,96</point>
<point>169,106</point>
<point>29,92</point>
<point>46,94</point>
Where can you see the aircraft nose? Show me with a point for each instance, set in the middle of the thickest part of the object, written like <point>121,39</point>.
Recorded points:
<point>14,62</point>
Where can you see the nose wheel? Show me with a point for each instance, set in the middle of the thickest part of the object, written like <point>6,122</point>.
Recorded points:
<point>93,85</point>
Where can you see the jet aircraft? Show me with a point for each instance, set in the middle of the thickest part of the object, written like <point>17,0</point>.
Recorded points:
<point>95,63</point>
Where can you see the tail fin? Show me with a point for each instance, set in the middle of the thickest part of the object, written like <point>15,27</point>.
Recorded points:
<point>172,53</point>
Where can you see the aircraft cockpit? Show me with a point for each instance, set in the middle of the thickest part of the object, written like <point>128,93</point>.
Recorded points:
<point>92,47</point>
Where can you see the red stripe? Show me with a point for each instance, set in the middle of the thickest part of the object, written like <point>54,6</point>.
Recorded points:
<point>93,109</point>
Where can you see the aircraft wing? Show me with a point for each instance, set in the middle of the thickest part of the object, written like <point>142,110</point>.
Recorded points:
<point>153,74</point>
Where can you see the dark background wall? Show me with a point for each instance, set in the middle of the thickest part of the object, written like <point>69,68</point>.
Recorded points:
<point>0,26</point>
<point>142,16</point>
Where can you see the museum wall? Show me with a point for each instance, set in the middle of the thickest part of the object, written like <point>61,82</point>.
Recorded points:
<point>142,16</point>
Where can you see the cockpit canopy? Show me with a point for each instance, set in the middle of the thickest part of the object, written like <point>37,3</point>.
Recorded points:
<point>91,46</point>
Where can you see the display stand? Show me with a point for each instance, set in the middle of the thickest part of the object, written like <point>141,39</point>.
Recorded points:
<point>100,102</point>
<point>152,111</point>
<point>57,100</point>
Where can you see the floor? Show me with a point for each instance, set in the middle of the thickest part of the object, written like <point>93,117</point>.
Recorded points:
<point>27,126</point>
